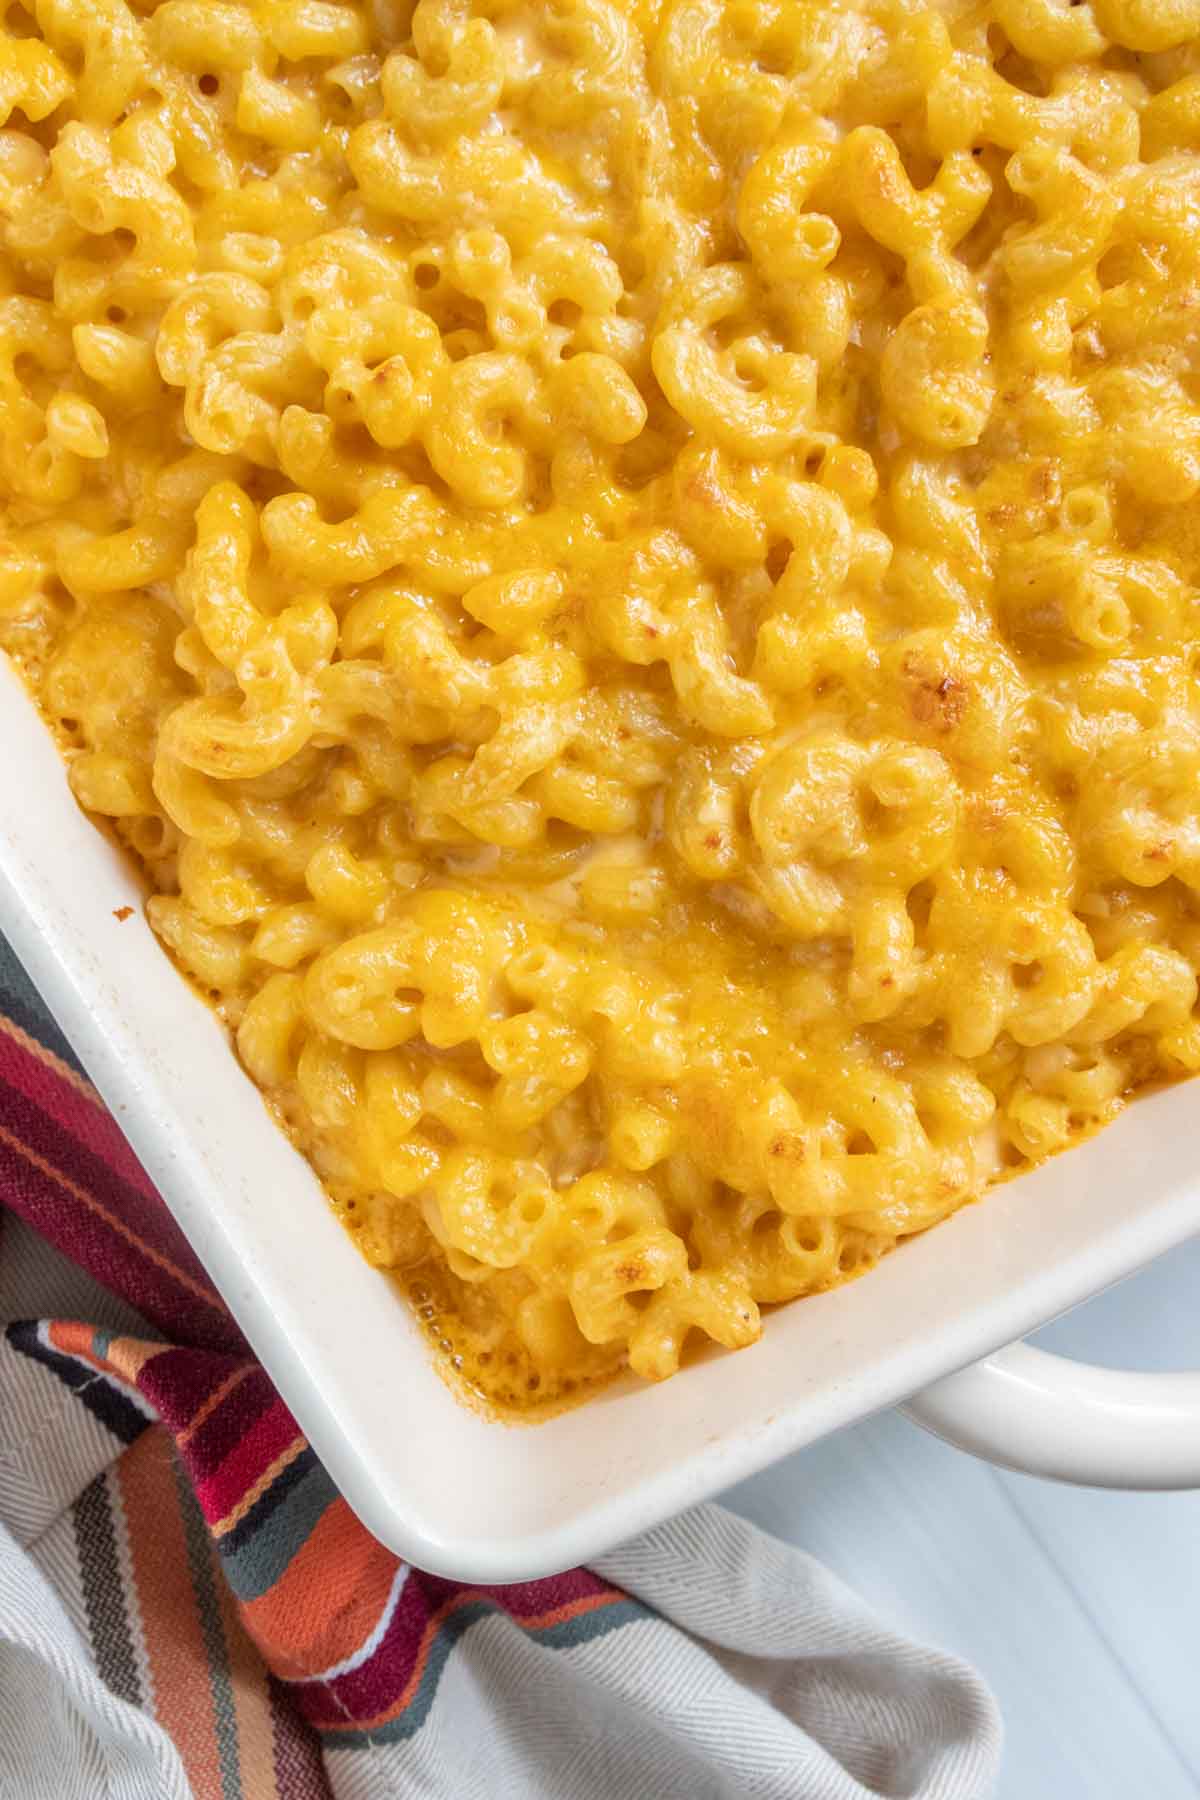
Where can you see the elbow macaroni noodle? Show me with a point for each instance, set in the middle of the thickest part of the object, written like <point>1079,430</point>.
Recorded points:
<point>628,568</point>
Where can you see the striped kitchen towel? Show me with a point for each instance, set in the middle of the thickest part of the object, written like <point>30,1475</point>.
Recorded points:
<point>188,1606</point>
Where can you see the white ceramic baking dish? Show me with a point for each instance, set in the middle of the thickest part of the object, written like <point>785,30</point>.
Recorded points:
<point>470,1498</point>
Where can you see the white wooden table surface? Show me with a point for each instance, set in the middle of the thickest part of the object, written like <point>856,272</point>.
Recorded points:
<point>1081,1608</point>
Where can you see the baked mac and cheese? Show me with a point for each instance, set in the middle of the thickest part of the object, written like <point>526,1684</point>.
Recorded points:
<point>628,570</point>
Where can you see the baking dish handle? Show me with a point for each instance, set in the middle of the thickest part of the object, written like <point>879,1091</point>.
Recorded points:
<point>1069,1421</point>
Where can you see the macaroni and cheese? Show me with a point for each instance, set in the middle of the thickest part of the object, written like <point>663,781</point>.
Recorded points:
<point>628,569</point>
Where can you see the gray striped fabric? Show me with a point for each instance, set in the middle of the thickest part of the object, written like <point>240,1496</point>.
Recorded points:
<point>755,1676</point>
<point>64,1735</point>
<point>762,1678</point>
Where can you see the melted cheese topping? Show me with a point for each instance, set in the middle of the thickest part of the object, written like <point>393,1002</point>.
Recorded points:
<point>629,573</point>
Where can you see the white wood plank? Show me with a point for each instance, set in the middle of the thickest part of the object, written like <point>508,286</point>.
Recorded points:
<point>935,1541</point>
<point>1133,1560</point>
<point>1151,1321</point>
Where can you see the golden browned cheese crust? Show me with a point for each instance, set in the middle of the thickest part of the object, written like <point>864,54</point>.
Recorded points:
<point>629,573</point>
